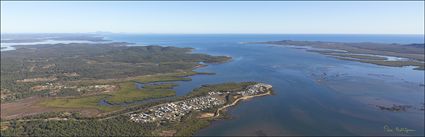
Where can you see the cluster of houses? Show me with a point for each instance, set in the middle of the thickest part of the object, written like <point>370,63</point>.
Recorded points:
<point>255,89</point>
<point>176,110</point>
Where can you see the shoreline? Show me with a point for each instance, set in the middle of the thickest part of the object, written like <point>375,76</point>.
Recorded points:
<point>217,113</point>
<point>178,74</point>
<point>345,51</point>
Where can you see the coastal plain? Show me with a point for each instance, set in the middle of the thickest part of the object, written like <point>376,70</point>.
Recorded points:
<point>101,86</point>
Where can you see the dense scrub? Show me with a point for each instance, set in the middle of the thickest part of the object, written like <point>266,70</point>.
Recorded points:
<point>119,126</point>
<point>57,64</point>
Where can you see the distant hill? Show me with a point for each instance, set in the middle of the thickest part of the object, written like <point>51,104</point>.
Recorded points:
<point>415,45</point>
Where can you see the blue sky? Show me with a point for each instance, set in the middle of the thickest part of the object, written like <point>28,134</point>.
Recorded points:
<point>215,17</point>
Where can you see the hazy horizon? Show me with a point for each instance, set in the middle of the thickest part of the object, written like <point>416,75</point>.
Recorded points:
<point>204,33</point>
<point>394,18</point>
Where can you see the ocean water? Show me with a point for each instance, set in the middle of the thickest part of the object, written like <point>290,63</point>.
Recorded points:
<point>9,46</point>
<point>314,94</point>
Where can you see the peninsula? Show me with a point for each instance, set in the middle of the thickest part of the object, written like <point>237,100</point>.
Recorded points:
<point>182,116</point>
<point>94,89</point>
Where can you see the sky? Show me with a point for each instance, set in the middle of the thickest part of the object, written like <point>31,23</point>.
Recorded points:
<point>214,17</point>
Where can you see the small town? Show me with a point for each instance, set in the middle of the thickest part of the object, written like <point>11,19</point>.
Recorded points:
<point>175,110</point>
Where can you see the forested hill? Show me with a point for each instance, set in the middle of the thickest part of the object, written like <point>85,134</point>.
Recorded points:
<point>31,65</point>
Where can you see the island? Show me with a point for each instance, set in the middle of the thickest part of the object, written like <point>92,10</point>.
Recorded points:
<point>393,54</point>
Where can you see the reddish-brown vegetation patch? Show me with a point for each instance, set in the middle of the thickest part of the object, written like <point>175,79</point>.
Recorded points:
<point>29,106</point>
<point>168,133</point>
<point>52,78</point>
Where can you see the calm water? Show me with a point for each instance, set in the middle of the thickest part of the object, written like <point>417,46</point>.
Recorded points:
<point>306,103</point>
<point>315,94</point>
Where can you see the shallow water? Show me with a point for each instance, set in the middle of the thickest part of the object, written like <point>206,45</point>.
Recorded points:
<point>314,94</point>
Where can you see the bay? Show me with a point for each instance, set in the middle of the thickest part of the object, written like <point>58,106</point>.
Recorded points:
<point>315,94</point>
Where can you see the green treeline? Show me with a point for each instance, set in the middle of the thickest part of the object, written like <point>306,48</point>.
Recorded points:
<point>61,63</point>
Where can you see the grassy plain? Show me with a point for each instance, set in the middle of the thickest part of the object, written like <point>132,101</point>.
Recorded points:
<point>129,93</point>
<point>91,102</point>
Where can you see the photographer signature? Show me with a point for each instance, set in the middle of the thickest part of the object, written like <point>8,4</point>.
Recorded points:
<point>388,128</point>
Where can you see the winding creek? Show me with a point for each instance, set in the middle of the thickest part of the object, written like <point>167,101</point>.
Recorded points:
<point>138,85</point>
